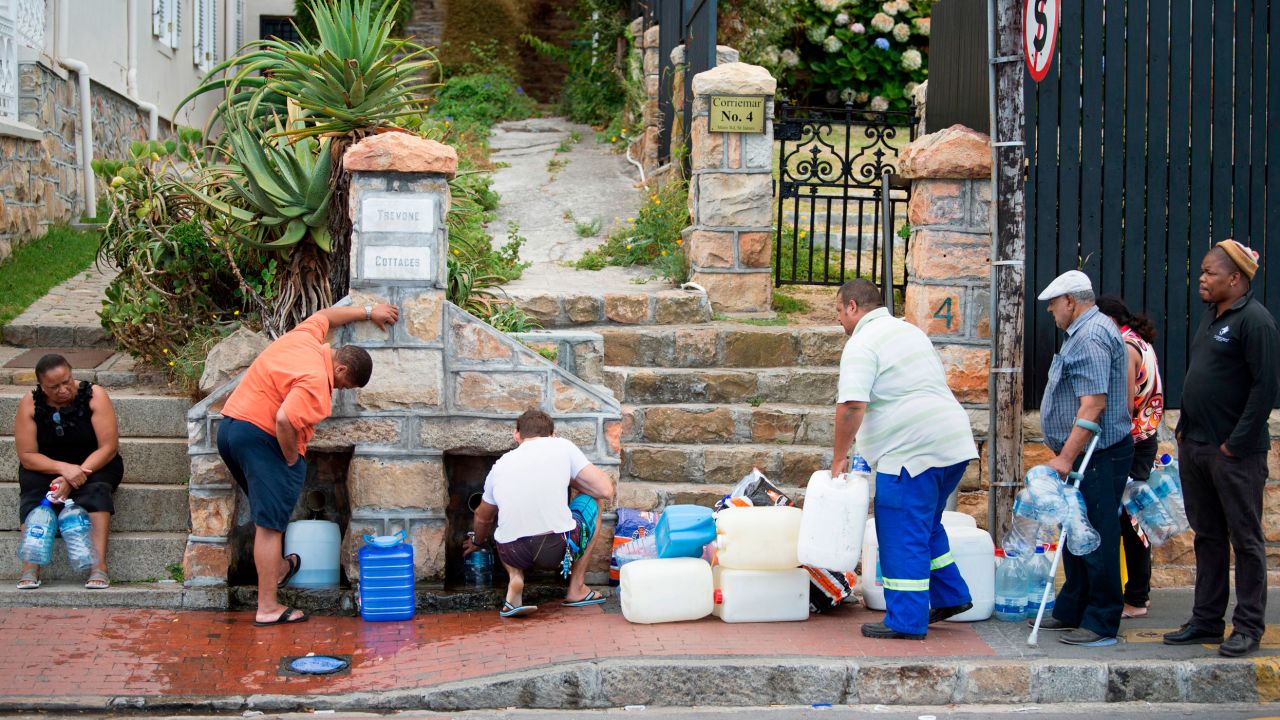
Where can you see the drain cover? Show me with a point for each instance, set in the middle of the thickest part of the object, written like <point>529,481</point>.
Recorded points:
<point>318,665</point>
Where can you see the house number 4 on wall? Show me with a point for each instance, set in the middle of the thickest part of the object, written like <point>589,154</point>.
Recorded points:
<point>944,312</point>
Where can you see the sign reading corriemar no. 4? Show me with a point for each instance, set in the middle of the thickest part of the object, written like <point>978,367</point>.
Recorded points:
<point>736,114</point>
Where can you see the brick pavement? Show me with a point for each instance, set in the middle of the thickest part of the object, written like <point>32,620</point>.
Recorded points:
<point>67,315</point>
<point>53,652</point>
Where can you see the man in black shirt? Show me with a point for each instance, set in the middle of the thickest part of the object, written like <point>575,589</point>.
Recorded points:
<point>1227,398</point>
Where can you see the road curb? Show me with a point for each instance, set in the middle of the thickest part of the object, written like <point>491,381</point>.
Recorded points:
<point>752,682</point>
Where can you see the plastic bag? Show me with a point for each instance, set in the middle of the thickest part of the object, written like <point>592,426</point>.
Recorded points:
<point>631,525</point>
<point>756,489</point>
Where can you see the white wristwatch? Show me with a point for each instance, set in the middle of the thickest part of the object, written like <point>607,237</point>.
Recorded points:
<point>368,312</point>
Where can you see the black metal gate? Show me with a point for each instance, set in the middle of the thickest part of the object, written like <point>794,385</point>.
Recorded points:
<point>1156,134</point>
<point>831,185</point>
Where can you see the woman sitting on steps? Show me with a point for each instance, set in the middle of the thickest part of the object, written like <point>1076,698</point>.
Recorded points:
<point>66,438</point>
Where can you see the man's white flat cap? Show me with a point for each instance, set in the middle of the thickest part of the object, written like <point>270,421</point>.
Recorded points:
<point>1068,282</point>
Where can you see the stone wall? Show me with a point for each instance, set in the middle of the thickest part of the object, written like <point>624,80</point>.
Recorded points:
<point>443,382</point>
<point>644,67</point>
<point>40,179</point>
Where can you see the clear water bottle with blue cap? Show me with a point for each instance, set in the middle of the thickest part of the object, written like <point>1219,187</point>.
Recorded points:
<point>1143,504</point>
<point>38,532</point>
<point>74,524</point>
<point>858,465</point>
<point>1037,577</point>
<point>1011,587</point>
<point>1167,485</point>
<point>477,569</point>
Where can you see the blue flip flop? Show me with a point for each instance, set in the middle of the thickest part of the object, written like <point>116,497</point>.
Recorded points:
<point>511,611</point>
<point>592,598</point>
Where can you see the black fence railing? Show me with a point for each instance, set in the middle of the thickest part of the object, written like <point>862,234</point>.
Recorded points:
<point>833,222</point>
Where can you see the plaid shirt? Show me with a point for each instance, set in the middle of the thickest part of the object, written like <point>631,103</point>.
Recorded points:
<point>1092,361</point>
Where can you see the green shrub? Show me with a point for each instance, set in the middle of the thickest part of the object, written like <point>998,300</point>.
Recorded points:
<point>479,34</point>
<point>650,238</point>
<point>474,103</point>
<point>593,91</point>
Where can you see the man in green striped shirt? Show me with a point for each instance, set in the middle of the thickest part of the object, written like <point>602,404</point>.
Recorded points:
<point>893,397</point>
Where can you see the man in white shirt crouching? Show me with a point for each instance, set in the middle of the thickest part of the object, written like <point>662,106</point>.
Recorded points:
<point>527,495</point>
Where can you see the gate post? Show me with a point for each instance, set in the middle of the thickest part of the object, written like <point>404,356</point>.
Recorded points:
<point>730,241</point>
<point>949,273</point>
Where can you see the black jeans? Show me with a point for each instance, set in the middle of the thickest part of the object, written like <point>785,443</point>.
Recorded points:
<point>1224,507</point>
<point>1092,598</point>
<point>1137,556</point>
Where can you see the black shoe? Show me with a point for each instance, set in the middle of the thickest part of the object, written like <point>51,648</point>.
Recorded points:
<point>1189,634</point>
<point>1086,638</point>
<point>940,614</point>
<point>880,631</point>
<point>1050,623</point>
<point>1237,645</point>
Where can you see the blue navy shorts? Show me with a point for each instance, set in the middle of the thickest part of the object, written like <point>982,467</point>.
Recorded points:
<point>253,456</point>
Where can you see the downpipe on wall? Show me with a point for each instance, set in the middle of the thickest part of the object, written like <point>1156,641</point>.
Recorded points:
<point>86,134</point>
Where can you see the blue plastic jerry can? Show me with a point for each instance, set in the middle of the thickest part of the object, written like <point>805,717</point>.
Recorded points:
<point>386,578</point>
<point>683,530</point>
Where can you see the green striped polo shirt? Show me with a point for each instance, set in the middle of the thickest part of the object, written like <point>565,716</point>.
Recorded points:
<point>913,421</point>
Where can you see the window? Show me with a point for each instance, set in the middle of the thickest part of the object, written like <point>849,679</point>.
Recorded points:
<point>166,22</point>
<point>205,48</point>
<point>280,26</point>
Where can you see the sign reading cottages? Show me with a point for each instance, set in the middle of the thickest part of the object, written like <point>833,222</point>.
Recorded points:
<point>407,217</point>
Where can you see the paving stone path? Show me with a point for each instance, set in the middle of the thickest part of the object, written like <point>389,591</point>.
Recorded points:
<point>67,316</point>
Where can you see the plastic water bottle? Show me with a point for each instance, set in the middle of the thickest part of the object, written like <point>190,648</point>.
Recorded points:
<point>1167,485</point>
<point>1143,504</point>
<point>859,467</point>
<point>642,548</point>
<point>1038,509</point>
<point>1038,577</point>
<point>1082,539</point>
<point>74,524</point>
<point>39,529</point>
<point>477,569</point>
<point>1011,591</point>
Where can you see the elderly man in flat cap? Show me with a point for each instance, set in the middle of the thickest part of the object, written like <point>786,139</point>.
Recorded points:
<point>1088,386</point>
<point>1227,397</point>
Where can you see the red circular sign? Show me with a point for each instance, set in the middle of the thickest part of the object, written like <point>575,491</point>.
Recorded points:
<point>1040,35</point>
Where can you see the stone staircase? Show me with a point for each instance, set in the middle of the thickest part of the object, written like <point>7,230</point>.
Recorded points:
<point>704,403</point>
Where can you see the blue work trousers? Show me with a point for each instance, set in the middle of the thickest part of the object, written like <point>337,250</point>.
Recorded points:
<point>915,558</point>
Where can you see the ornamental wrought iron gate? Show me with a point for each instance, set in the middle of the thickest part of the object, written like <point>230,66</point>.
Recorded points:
<point>835,202</point>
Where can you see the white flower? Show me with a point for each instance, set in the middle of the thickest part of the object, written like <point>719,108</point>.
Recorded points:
<point>890,7</point>
<point>857,28</point>
<point>910,89</point>
<point>847,95</point>
<point>862,97</point>
<point>817,34</point>
<point>881,23</point>
<point>879,104</point>
<point>790,58</point>
<point>922,26</point>
<point>901,32</point>
<point>911,60</point>
<point>831,96</point>
<point>832,44</point>
<point>830,5</point>
<point>770,55</point>
<point>842,19</point>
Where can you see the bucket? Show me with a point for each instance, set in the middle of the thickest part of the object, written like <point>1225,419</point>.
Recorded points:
<point>666,590</point>
<point>761,595</point>
<point>317,543</point>
<point>974,555</point>
<point>683,530</point>
<point>386,578</point>
<point>758,538</point>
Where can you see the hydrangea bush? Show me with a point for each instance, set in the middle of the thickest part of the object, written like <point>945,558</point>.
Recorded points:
<point>872,54</point>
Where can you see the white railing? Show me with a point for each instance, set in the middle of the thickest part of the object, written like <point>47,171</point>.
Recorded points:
<point>8,62</point>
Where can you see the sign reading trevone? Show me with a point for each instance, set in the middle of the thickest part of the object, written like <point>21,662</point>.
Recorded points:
<point>737,114</point>
<point>398,213</point>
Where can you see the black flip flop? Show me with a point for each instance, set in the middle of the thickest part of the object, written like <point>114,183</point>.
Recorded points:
<point>283,619</point>
<point>294,567</point>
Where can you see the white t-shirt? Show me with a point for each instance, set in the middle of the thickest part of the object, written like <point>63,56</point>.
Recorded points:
<point>530,486</point>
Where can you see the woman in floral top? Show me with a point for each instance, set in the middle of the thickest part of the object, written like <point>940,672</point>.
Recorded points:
<point>1147,404</point>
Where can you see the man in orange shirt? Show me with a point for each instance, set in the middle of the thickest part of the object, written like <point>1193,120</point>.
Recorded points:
<point>267,423</point>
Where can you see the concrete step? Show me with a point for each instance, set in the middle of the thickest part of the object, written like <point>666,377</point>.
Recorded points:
<point>140,413</point>
<point>154,461</point>
<point>118,371</point>
<point>163,595</point>
<point>130,557</point>
<point>777,423</point>
<point>802,386</point>
<point>657,496</point>
<point>629,307</point>
<point>668,463</point>
<point>722,344</point>
<point>139,508</point>
<point>37,332</point>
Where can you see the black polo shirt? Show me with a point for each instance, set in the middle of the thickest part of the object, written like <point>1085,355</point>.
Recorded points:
<point>1231,380</point>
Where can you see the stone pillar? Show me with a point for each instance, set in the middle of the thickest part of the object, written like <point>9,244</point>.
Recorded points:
<point>730,195</point>
<point>949,271</point>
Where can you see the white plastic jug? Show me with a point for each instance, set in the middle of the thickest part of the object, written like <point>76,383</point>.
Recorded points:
<point>761,595</point>
<point>833,520</point>
<point>951,518</point>
<point>666,590</point>
<point>974,555</point>
<point>758,538</point>
<point>317,542</point>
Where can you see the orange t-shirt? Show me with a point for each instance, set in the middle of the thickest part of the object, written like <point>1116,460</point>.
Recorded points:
<point>294,372</point>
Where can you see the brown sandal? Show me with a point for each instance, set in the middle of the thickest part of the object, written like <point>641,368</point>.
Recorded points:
<point>30,580</point>
<point>98,580</point>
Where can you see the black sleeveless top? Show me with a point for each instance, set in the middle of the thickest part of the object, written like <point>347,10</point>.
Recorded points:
<point>78,439</point>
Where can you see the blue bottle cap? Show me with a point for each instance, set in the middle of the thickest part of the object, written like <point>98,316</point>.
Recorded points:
<point>1166,459</point>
